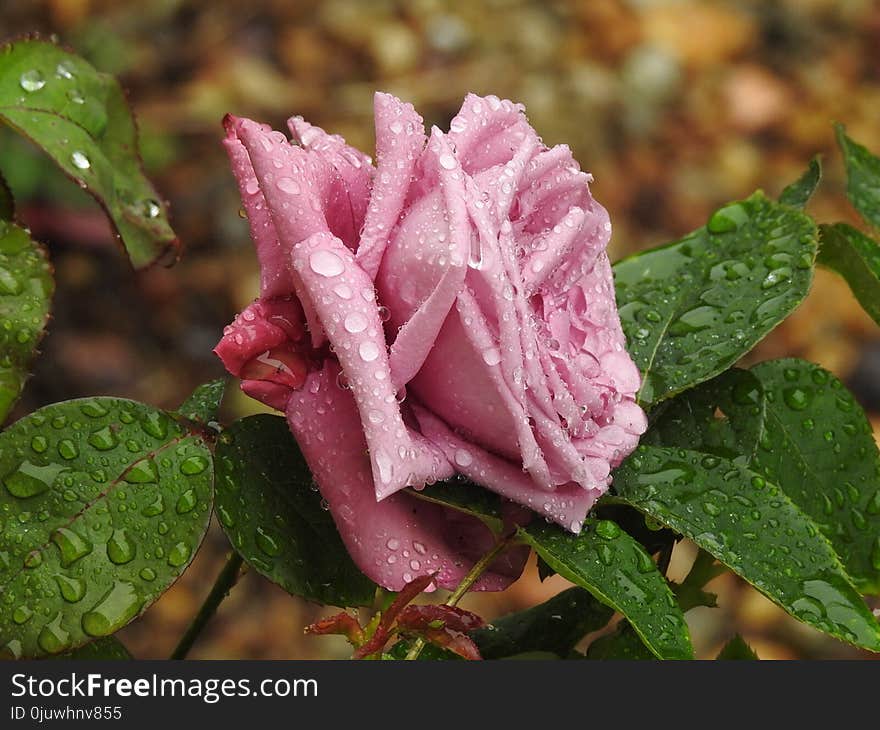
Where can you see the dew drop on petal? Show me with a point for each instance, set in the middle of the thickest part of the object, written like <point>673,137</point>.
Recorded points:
<point>326,263</point>
<point>463,458</point>
<point>368,351</point>
<point>288,185</point>
<point>355,322</point>
<point>492,356</point>
<point>447,162</point>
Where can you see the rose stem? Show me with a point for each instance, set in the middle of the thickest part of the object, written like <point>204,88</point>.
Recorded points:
<point>227,578</point>
<point>463,587</point>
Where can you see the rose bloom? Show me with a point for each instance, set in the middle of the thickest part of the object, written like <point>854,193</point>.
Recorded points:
<point>449,310</point>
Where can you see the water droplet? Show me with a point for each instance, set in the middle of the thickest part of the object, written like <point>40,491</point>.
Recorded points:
<point>326,263</point>
<point>355,322</point>
<point>447,162</point>
<point>193,465</point>
<point>32,81</point>
<point>9,284</point>
<point>80,161</point>
<point>147,574</point>
<point>155,424</point>
<point>186,502</point>
<point>117,607</point>
<point>144,471</point>
<point>104,439</point>
<point>39,444</point>
<point>72,589</point>
<point>728,218</point>
<point>463,458</point>
<point>288,185</point>
<point>30,479</point>
<point>179,555</point>
<point>71,545</point>
<point>267,543</point>
<point>156,507</point>
<point>33,559</point>
<point>67,449</point>
<point>53,637</point>
<point>120,547</point>
<point>93,409</point>
<point>64,70</point>
<point>492,356</point>
<point>797,398</point>
<point>607,529</point>
<point>75,96</point>
<point>368,351</point>
<point>21,615</point>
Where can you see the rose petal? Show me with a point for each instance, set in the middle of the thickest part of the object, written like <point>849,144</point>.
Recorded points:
<point>394,540</point>
<point>567,504</point>
<point>400,137</point>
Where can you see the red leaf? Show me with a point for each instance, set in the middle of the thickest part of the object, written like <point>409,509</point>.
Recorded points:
<point>342,623</point>
<point>386,625</point>
<point>419,618</point>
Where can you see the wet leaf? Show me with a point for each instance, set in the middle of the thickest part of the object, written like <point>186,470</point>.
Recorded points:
<point>553,626</point>
<point>273,517</point>
<point>862,176</point>
<point>612,566</point>
<point>692,308</point>
<point>737,649</point>
<point>103,504</point>
<point>818,446</point>
<point>465,496</point>
<point>798,194</point>
<point>26,288</point>
<point>622,643</point>
<point>203,404</point>
<point>82,120</point>
<point>856,257</point>
<point>108,648</point>
<point>797,425</point>
<point>751,526</point>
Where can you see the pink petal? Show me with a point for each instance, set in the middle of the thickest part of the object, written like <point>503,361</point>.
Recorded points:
<point>400,137</point>
<point>343,297</point>
<point>351,189</point>
<point>394,540</point>
<point>567,504</point>
<point>416,336</point>
<point>486,130</point>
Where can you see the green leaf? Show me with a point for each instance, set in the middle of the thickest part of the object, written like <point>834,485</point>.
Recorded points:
<point>103,504</point>
<point>82,120</point>
<point>856,257</point>
<point>26,288</point>
<point>737,649</point>
<point>7,203</point>
<point>108,648</point>
<point>798,194</point>
<point>273,516</point>
<point>465,496</point>
<point>818,446</point>
<point>689,420</point>
<point>616,569</point>
<point>203,404</point>
<point>622,643</point>
<point>554,626</point>
<point>751,526</point>
<point>692,308</point>
<point>862,176</point>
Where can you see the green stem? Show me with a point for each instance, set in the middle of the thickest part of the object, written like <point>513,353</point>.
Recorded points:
<point>227,578</point>
<point>466,583</point>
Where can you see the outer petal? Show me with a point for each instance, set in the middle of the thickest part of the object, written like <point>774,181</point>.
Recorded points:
<point>401,537</point>
<point>567,505</point>
<point>486,131</point>
<point>400,137</point>
<point>343,297</point>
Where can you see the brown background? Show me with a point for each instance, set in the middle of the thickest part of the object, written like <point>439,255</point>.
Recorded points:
<point>675,106</point>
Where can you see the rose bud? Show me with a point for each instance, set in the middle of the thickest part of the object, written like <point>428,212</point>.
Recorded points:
<point>449,310</point>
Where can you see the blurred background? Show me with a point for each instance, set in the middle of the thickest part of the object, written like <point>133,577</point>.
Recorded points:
<point>675,106</point>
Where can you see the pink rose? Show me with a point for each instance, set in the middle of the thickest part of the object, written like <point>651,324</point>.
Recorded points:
<point>449,310</point>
